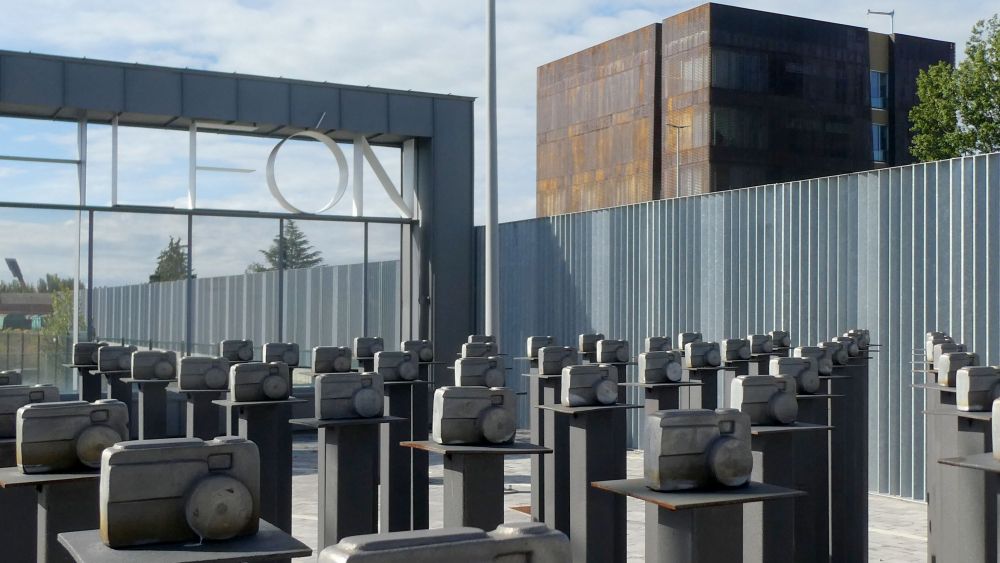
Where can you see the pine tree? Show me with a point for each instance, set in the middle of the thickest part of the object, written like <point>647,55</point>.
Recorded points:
<point>172,264</point>
<point>298,252</point>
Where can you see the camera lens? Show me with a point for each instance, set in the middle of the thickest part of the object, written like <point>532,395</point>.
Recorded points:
<point>245,353</point>
<point>606,392</point>
<point>216,378</point>
<point>92,441</point>
<point>408,371</point>
<point>496,425</point>
<point>368,402</point>
<point>219,507</point>
<point>730,461</point>
<point>494,377</point>
<point>674,372</point>
<point>274,387</point>
<point>341,364</point>
<point>163,370</point>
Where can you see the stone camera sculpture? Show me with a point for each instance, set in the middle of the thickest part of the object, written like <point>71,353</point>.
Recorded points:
<point>154,365</point>
<point>862,336</point>
<point>995,428</point>
<point>552,359</point>
<point>422,349</point>
<point>179,490</point>
<point>658,344</point>
<point>943,348</point>
<point>780,338</point>
<point>13,397</point>
<point>481,339</point>
<point>284,352</point>
<point>702,354</point>
<point>589,385</point>
<point>766,399</point>
<point>850,344</point>
<point>613,351</point>
<point>697,449</point>
<point>63,436</point>
<point>203,373</point>
<point>824,364</point>
<point>479,372</point>
<point>760,344</point>
<point>368,346</point>
<point>349,395</point>
<point>331,359</point>
<point>257,381</point>
<point>931,340</point>
<point>115,358</point>
<point>236,350</point>
<point>509,543</point>
<point>660,367</point>
<point>473,415</point>
<point>85,353</point>
<point>734,349</point>
<point>396,366</point>
<point>588,344</point>
<point>479,349</point>
<point>685,338</point>
<point>536,342</point>
<point>837,353</point>
<point>10,377</point>
<point>976,387</point>
<point>803,370</point>
<point>949,364</point>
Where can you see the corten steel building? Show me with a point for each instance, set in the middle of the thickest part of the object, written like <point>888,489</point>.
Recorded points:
<point>748,98</point>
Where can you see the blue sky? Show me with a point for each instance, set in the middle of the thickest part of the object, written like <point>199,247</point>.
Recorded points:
<point>431,45</point>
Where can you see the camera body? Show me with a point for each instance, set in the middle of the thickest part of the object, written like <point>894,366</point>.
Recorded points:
<point>474,415</point>
<point>760,344</point>
<point>837,353</point>
<point>236,350</point>
<point>932,339</point>
<point>766,399</point>
<point>481,338</point>
<point>588,344</point>
<point>780,338</point>
<point>552,359</point>
<point>734,349</point>
<point>948,365</point>
<point>203,373</point>
<point>663,366</point>
<point>85,353</point>
<point>331,359</point>
<point>862,335</point>
<point>976,387</point>
<point>701,354</point>
<point>13,397</point>
<point>154,365</point>
<point>10,377</point>
<point>589,385</point>
<point>850,344</point>
<point>256,381</point>
<point>62,436</point>
<point>509,543</point>
<point>803,370</point>
<point>698,448</point>
<point>423,350</point>
<point>479,349</point>
<point>212,493</point>
<point>480,372</point>
<point>349,395</point>
<point>943,348</point>
<point>114,358</point>
<point>658,344</point>
<point>396,366</point>
<point>367,346</point>
<point>613,351</point>
<point>536,342</point>
<point>824,364</point>
<point>284,352</point>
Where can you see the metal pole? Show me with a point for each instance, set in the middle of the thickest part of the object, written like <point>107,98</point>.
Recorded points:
<point>677,162</point>
<point>491,325</point>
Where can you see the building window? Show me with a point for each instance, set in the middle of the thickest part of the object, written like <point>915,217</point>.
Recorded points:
<point>880,142</point>
<point>880,89</point>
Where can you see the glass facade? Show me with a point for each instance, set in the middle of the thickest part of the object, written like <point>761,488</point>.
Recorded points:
<point>879,89</point>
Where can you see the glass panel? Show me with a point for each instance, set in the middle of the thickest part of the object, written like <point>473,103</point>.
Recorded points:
<point>880,142</point>
<point>377,201</point>
<point>383,281</point>
<point>38,182</point>
<point>152,166</point>
<point>879,89</point>
<point>37,316</point>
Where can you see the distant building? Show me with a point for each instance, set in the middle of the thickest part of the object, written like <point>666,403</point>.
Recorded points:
<point>753,98</point>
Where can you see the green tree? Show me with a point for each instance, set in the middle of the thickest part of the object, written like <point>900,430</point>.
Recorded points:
<point>298,252</point>
<point>172,264</point>
<point>959,108</point>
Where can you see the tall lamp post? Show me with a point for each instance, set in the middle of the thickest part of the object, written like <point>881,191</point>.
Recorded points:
<point>677,156</point>
<point>492,316</point>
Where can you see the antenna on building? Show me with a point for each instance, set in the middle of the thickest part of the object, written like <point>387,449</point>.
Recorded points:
<point>892,18</point>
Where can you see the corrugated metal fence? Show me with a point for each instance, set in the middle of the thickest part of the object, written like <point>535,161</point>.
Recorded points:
<point>899,251</point>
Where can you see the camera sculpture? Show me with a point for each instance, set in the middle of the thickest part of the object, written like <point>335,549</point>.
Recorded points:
<point>85,353</point>
<point>862,335</point>
<point>660,367</point>
<point>211,492</point>
<point>685,338</point>
<point>154,365</point>
<point>613,351</point>
<point>760,344</point>
<point>10,377</point>
<point>509,543</point>
<point>836,351</point>
<point>480,372</point>
<point>202,373</point>
<point>367,346</point>
<point>473,415</point>
<point>588,344</point>
<point>697,449</point>
<point>536,342</point>
<point>54,437</point>
<point>995,427</point>
<point>114,358</point>
<point>236,350</point>
<point>349,395</point>
<point>734,349</point>
<point>976,387</point>
<point>850,344</point>
<point>589,385</point>
<point>766,399</point>
<point>257,381</point>
<point>943,348</point>
<point>803,370</point>
<point>552,359</point>
<point>284,352</point>
<point>396,366</point>
<point>702,354</point>
<point>13,397</point>
<point>824,364</point>
<point>658,344</point>
<point>422,349</point>
<point>481,339</point>
<point>780,338</point>
<point>932,340</point>
<point>479,349</point>
<point>331,359</point>
<point>948,365</point>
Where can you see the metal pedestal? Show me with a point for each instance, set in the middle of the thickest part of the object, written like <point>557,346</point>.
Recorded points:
<point>979,540</point>
<point>401,508</point>
<point>265,423</point>
<point>89,382</point>
<point>119,390</point>
<point>556,466</point>
<point>17,512</point>
<point>202,416</point>
<point>709,396</point>
<point>698,526</point>
<point>152,407</point>
<point>536,433</point>
<point>812,512</point>
<point>473,481</point>
<point>849,463</point>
